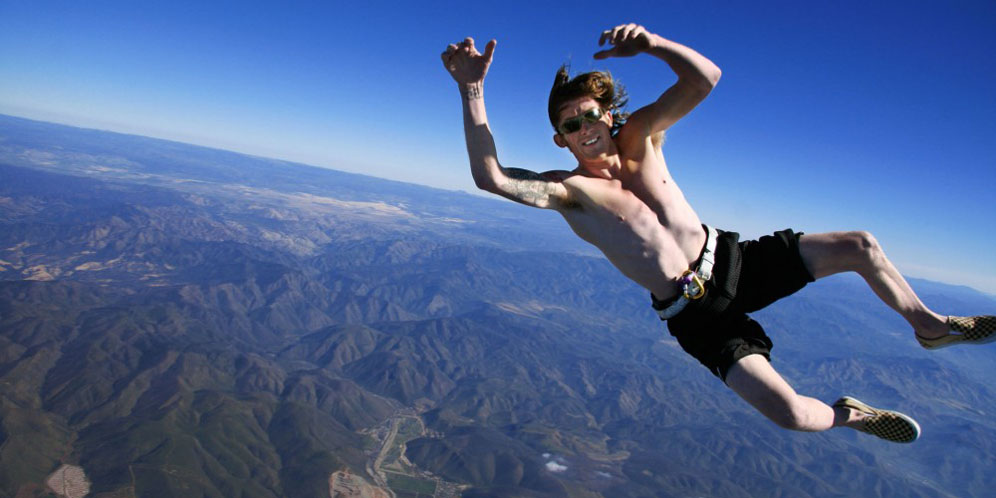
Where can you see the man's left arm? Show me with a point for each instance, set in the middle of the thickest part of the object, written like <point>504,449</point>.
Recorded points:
<point>697,75</point>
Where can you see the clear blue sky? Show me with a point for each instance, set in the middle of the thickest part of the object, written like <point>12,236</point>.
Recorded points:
<point>829,116</point>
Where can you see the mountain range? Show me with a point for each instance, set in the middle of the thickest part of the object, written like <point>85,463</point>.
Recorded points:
<point>183,321</point>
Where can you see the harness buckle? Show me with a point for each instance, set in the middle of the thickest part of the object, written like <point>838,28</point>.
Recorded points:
<point>689,278</point>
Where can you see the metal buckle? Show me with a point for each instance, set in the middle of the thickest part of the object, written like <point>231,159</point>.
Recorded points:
<point>689,278</point>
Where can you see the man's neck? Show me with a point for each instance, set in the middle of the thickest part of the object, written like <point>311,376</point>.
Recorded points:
<point>607,167</point>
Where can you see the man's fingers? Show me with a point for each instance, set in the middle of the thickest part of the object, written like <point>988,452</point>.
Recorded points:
<point>620,34</point>
<point>615,34</point>
<point>629,32</point>
<point>611,36</point>
<point>624,33</point>
<point>447,55</point>
<point>464,53</point>
<point>605,36</point>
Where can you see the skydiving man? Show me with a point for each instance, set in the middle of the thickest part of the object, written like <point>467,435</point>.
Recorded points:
<point>622,199</point>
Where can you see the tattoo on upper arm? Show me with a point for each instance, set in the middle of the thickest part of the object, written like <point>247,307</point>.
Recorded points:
<point>530,187</point>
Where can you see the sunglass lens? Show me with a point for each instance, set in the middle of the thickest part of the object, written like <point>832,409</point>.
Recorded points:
<point>574,124</point>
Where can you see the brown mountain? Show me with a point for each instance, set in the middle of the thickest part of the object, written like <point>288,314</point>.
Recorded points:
<point>180,321</point>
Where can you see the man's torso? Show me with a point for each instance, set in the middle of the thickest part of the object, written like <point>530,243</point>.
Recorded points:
<point>639,219</point>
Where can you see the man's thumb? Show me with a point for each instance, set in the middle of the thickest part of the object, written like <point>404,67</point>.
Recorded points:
<point>489,50</point>
<point>604,54</point>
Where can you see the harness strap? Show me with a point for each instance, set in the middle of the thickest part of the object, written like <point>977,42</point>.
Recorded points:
<point>693,281</point>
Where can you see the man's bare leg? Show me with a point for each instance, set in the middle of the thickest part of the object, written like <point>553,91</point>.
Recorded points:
<point>757,382</point>
<point>829,253</point>
<point>754,379</point>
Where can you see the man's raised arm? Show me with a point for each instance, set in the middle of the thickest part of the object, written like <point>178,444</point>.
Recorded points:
<point>468,68</point>
<point>697,76</point>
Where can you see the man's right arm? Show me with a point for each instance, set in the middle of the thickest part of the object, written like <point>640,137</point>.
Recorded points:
<point>697,75</point>
<point>468,68</point>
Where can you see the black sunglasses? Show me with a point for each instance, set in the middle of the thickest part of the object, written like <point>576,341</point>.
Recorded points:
<point>571,125</point>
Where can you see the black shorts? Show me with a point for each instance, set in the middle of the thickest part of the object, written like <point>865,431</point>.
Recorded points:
<point>747,277</point>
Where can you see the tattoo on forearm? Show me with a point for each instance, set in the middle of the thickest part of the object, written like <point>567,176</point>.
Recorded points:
<point>472,93</point>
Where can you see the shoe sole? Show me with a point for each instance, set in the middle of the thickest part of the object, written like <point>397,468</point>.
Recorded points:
<point>944,341</point>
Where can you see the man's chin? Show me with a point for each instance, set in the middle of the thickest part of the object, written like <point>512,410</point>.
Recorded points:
<point>589,153</point>
<point>599,156</point>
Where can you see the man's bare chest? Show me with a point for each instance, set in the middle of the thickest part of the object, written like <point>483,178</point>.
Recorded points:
<point>606,210</point>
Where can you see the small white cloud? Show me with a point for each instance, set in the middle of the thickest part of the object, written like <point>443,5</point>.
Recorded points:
<point>546,456</point>
<point>555,467</point>
<point>603,475</point>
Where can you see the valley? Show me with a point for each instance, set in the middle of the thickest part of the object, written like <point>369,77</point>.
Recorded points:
<point>181,321</point>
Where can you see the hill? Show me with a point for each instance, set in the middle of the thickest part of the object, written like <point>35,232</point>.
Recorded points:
<point>181,321</point>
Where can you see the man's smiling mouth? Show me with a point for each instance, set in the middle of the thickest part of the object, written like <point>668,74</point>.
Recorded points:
<point>590,142</point>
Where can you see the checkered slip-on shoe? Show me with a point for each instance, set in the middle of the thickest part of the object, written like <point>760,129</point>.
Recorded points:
<point>968,330</point>
<point>886,424</point>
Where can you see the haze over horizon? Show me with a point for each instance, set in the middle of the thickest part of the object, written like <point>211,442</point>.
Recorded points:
<point>888,107</point>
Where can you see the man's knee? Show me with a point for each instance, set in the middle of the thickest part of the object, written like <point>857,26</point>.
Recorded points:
<point>865,249</point>
<point>835,252</point>
<point>791,415</point>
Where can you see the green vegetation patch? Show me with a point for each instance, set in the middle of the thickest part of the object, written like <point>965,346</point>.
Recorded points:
<point>409,429</point>
<point>402,482</point>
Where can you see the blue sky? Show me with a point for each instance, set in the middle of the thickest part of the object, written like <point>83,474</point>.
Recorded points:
<point>829,116</point>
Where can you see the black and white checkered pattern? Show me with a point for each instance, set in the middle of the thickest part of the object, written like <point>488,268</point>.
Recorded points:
<point>968,329</point>
<point>974,328</point>
<point>886,424</point>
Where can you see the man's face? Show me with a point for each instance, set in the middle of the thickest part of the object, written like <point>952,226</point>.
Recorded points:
<point>585,129</point>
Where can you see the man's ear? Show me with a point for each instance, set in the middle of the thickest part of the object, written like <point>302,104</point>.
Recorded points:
<point>559,140</point>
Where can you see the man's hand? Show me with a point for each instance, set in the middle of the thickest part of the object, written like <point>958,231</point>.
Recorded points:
<point>465,64</point>
<point>627,40</point>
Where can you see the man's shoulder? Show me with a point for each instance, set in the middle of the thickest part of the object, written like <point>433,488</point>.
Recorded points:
<point>558,175</point>
<point>576,179</point>
<point>635,138</point>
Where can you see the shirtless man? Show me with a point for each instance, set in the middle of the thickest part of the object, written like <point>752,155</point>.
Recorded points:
<point>622,199</point>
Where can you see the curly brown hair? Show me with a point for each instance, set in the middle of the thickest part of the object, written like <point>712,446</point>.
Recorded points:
<point>599,85</point>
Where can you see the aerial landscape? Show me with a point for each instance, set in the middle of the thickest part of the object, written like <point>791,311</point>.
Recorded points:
<point>269,249</point>
<point>183,321</point>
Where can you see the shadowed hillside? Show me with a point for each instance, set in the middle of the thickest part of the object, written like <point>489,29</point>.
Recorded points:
<point>181,321</point>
